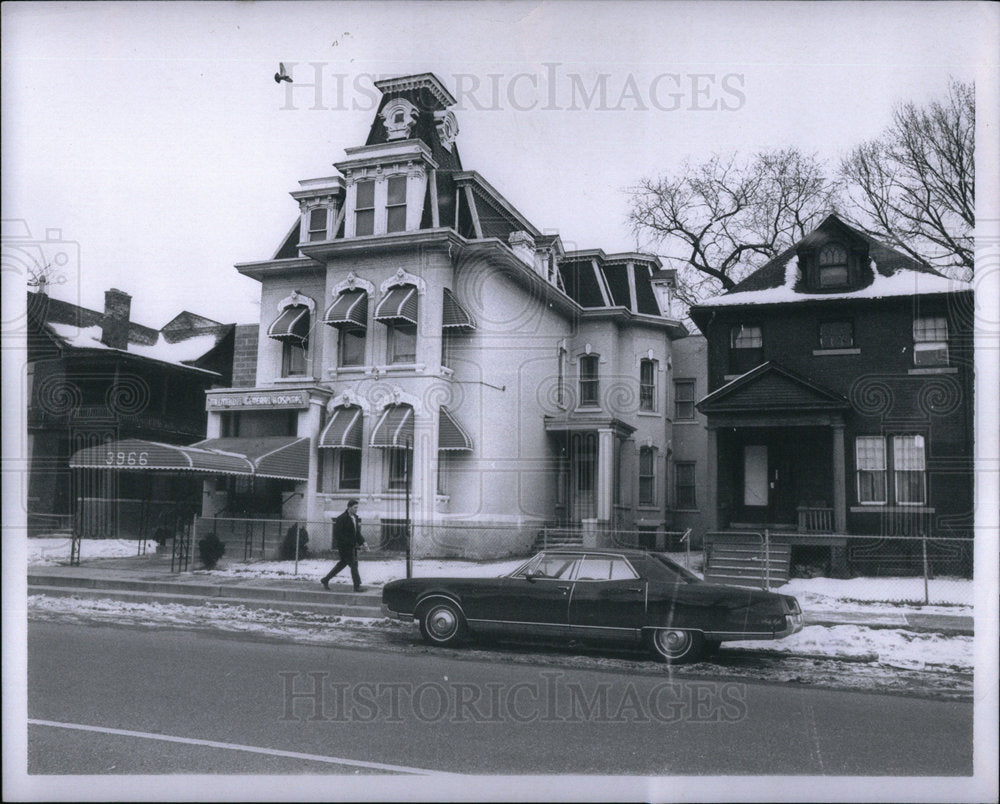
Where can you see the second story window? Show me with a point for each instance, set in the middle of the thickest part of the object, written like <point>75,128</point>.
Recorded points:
<point>396,204</point>
<point>351,347</point>
<point>561,377</point>
<point>402,342</point>
<point>647,385</point>
<point>589,381</point>
<point>930,341</point>
<point>832,271</point>
<point>364,221</point>
<point>746,348</point>
<point>836,335</point>
<point>317,224</point>
<point>683,400</point>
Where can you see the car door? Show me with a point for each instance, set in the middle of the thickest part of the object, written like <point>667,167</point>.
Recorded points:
<point>537,599</point>
<point>608,599</point>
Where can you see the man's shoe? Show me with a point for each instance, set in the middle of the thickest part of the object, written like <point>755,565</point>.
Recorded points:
<point>326,585</point>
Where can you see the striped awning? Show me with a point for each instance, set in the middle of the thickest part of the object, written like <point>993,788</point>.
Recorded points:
<point>292,325</point>
<point>136,454</point>
<point>349,309</point>
<point>343,431</point>
<point>454,315</point>
<point>399,304</point>
<point>394,427</point>
<point>451,436</point>
<point>280,457</point>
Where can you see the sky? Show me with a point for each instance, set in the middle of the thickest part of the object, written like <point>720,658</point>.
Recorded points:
<point>150,144</point>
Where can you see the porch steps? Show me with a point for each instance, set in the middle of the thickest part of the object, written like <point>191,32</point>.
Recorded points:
<point>557,539</point>
<point>740,560</point>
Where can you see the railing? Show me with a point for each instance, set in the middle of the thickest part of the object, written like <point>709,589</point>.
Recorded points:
<point>815,520</point>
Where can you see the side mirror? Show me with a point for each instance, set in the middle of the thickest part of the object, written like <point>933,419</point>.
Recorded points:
<point>530,576</point>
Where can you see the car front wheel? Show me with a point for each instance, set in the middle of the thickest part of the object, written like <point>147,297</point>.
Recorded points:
<point>677,646</point>
<point>442,623</point>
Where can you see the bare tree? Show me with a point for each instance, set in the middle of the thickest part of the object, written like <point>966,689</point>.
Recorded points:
<point>915,185</point>
<point>722,219</point>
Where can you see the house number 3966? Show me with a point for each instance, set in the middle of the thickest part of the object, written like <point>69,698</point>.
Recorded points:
<point>127,458</point>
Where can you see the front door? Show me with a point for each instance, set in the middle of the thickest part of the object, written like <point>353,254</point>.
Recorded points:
<point>783,480</point>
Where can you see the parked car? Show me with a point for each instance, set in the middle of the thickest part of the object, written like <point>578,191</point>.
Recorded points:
<point>624,596</point>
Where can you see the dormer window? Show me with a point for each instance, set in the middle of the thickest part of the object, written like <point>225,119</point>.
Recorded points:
<point>398,117</point>
<point>396,204</point>
<point>832,267</point>
<point>317,224</point>
<point>364,221</point>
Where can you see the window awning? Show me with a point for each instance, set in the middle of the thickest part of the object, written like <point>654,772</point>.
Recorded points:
<point>454,315</point>
<point>349,309</point>
<point>394,427</point>
<point>292,325</point>
<point>281,457</point>
<point>451,436</point>
<point>343,431</point>
<point>399,304</point>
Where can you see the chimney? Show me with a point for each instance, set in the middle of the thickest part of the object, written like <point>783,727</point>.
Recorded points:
<point>114,327</point>
<point>523,246</point>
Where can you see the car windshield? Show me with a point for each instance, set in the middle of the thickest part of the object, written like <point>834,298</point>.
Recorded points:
<point>657,567</point>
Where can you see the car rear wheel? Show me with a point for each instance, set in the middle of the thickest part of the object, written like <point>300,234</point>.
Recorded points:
<point>677,646</point>
<point>442,623</point>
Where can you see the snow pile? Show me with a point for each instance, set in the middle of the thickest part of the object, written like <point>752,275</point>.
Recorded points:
<point>375,572</point>
<point>950,595</point>
<point>884,646</point>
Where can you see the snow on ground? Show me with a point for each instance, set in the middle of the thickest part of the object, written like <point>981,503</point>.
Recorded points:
<point>849,657</point>
<point>54,550</point>
<point>948,595</point>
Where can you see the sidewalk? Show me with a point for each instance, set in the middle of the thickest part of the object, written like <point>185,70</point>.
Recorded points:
<point>149,579</point>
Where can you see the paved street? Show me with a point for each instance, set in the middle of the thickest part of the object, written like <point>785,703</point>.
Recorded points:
<point>114,700</point>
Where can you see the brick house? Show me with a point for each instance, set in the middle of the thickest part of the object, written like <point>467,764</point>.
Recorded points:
<point>96,377</point>
<point>840,401</point>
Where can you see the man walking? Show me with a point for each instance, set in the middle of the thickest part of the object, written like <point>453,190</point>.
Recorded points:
<point>347,535</point>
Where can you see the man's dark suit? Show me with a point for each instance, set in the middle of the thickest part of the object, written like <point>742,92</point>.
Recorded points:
<point>347,536</point>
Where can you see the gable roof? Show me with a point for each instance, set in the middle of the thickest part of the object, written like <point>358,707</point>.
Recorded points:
<point>888,273</point>
<point>771,387</point>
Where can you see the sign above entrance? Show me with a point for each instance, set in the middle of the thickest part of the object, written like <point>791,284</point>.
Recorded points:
<point>258,400</point>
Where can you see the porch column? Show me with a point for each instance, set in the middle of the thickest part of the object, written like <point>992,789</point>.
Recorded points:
<point>839,480</point>
<point>838,553</point>
<point>605,474</point>
<point>308,425</point>
<point>712,479</point>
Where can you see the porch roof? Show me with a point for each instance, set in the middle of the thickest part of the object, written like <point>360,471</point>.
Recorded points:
<point>771,387</point>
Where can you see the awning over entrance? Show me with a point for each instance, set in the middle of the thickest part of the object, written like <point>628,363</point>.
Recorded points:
<point>152,456</point>
<point>349,309</point>
<point>343,431</point>
<point>399,304</point>
<point>394,428</point>
<point>454,315</point>
<point>281,457</point>
<point>451,436</point>
<point>292,325</point>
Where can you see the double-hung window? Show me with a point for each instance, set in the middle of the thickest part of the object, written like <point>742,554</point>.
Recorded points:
<point>364,208</point>
<point>930,341</point>
<point>746,348</point>
<point>293,359</point>
<point>683,400</point>
<point>684,486</point>
<point>871,469</point>
<point>396,204</point>
<point>909,469</point>
<point>317,224</point>
<point>836,335</point>
<point>647,476</point>
<point>833,271</point>
<point>589,381</point>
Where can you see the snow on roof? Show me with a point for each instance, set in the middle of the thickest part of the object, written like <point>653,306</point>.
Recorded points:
<point>162,351</point>
<point>903,282</point>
